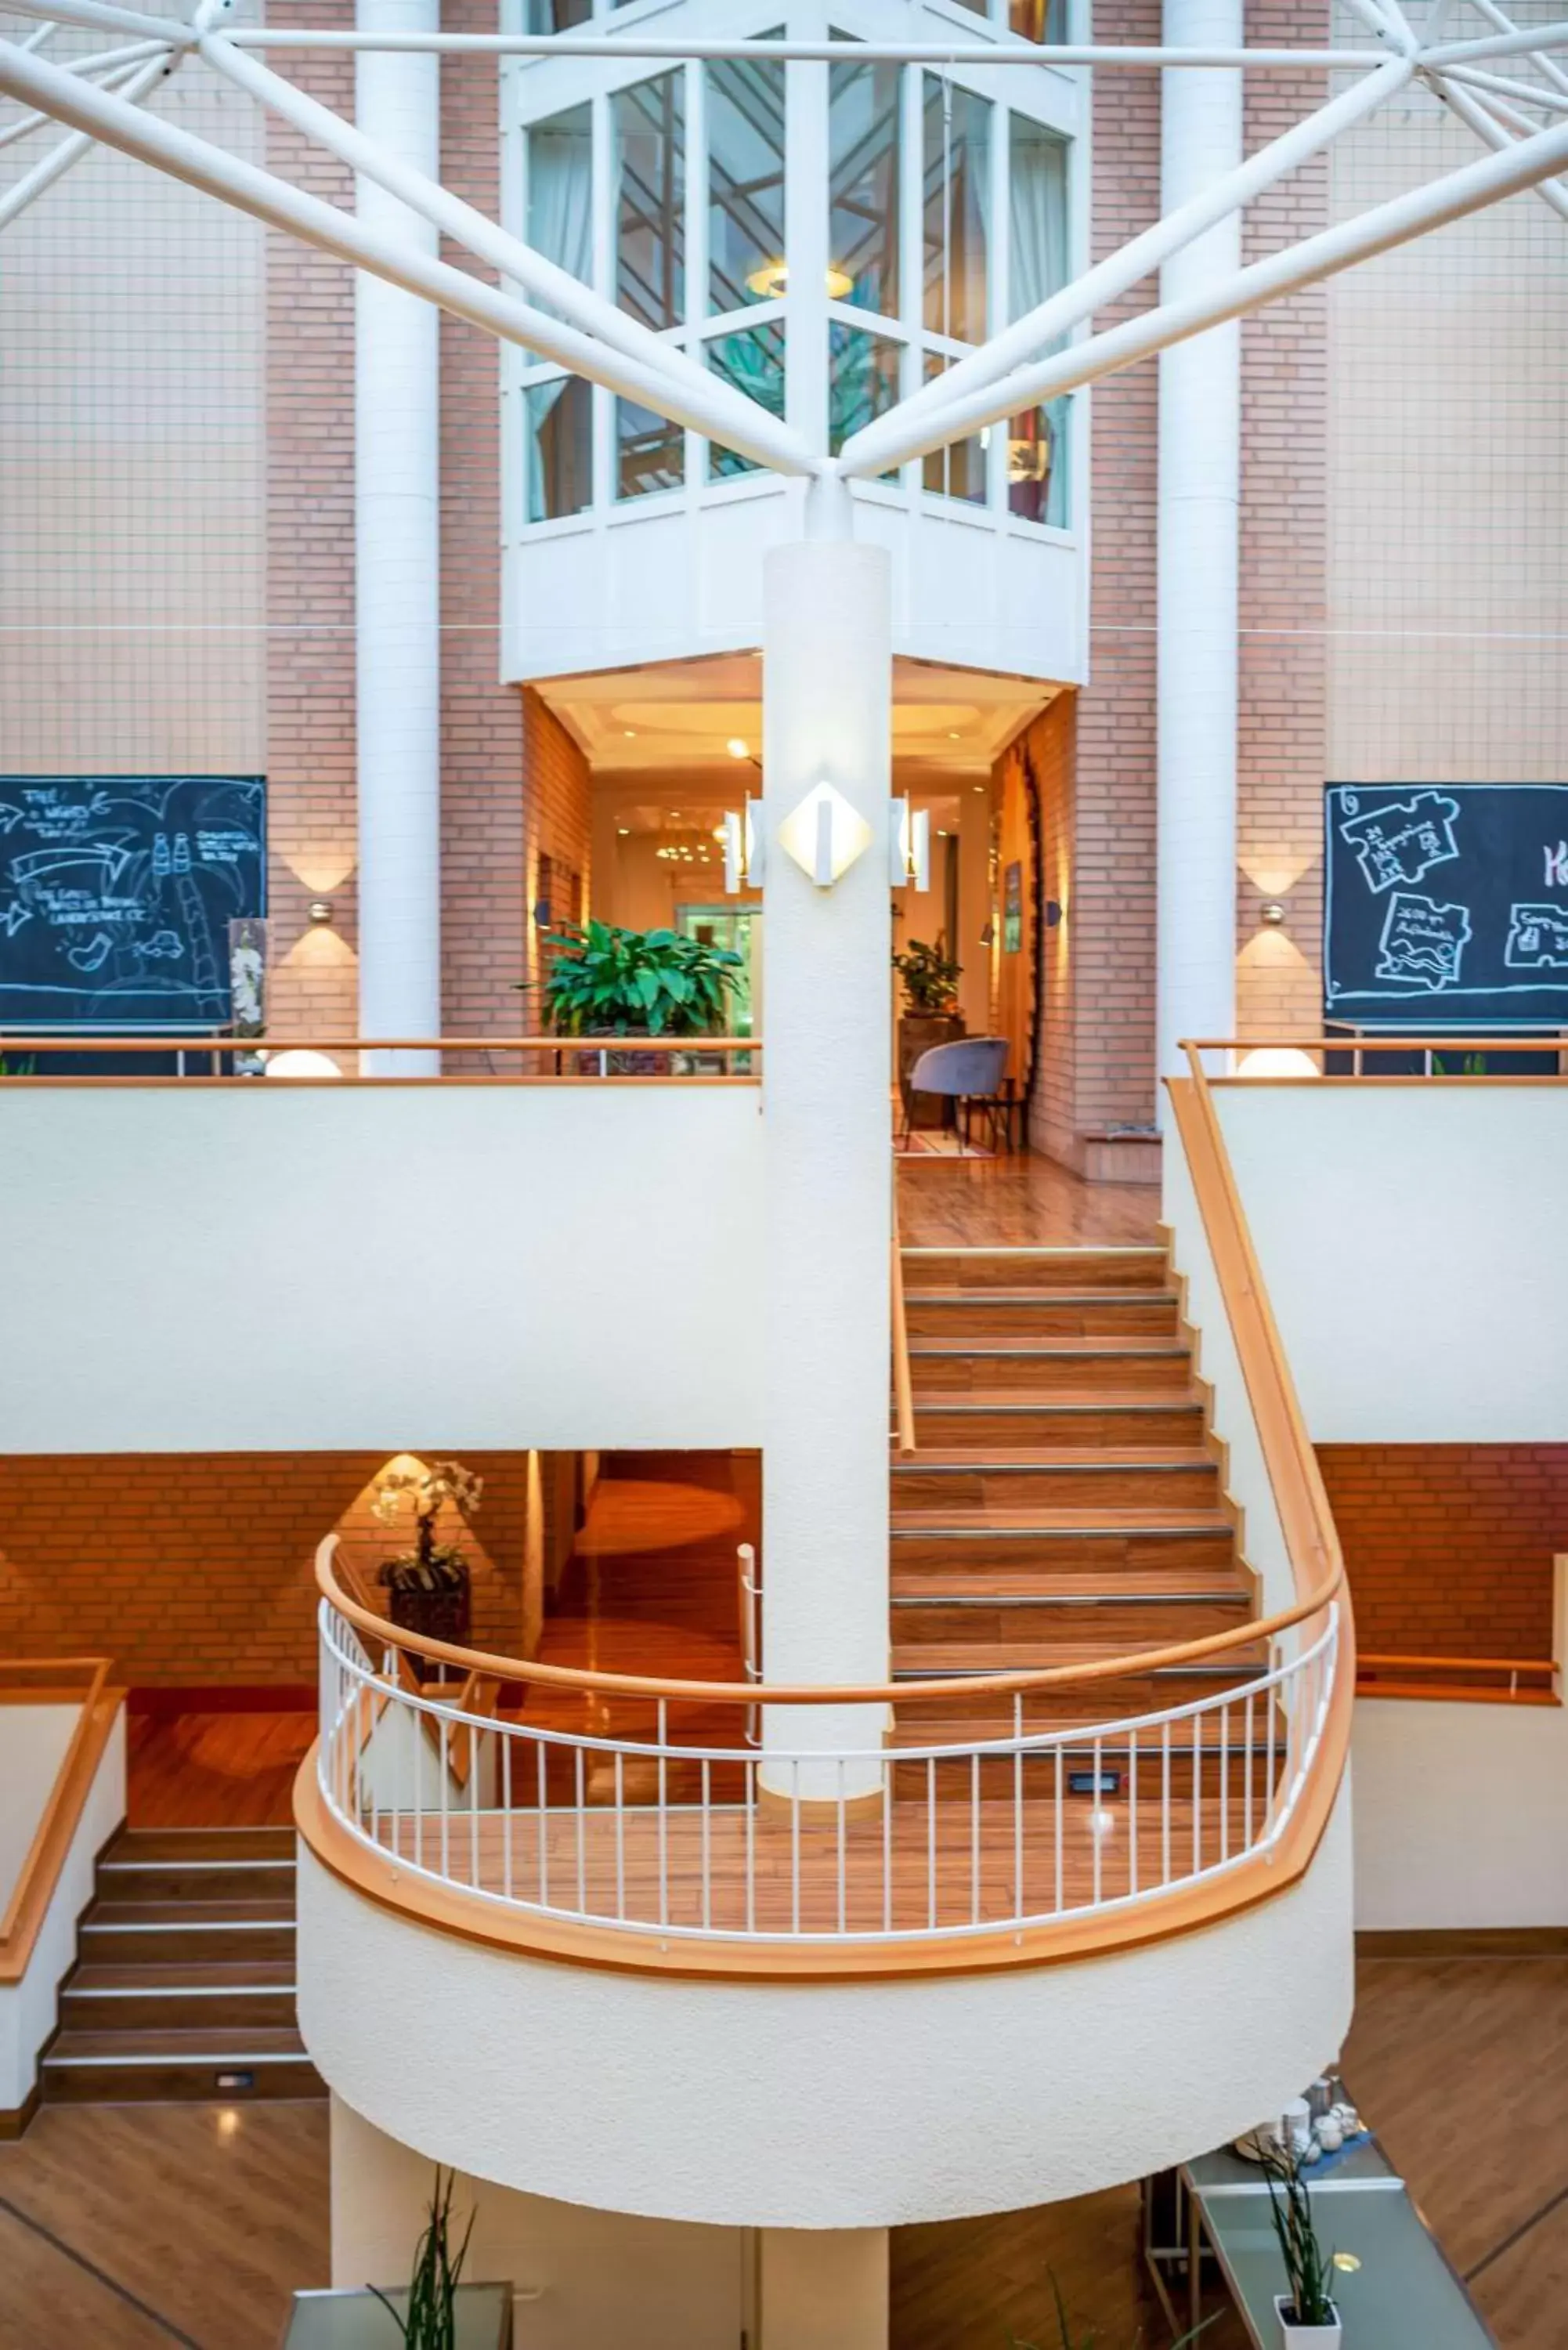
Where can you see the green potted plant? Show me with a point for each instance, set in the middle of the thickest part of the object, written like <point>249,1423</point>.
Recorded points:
<point>428,1586</point>
<point>1308,2318</point>
<point>604,981</point>
<point>434,2310</point>
<point>1090,2341</point>
<point>427,2320</point>
<point>930,1016</point>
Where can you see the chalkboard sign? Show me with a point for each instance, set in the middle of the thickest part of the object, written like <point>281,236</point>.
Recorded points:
<point>117,893</point>
<point>1446,904</point>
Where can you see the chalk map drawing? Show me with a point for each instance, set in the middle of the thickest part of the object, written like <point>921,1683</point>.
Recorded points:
<point>116,891</point>
<point>1423,941</point>
<point>1402,840</point>
<point>1537,938</point>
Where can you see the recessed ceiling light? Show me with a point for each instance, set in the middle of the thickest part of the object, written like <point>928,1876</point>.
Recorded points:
<point>952,733</point>
<point>630,734</point>
<point>980,787</point>
<point>738,747</point>
<point>624,831</point>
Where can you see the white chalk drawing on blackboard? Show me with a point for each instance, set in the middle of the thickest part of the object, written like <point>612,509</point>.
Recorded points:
<point>1423,941</point>
<point>1537,938</point>
<point>1402,839</point>
<point>1556,865</point>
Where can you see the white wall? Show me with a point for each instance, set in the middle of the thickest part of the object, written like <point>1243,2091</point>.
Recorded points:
<point>584,2280</point>
<point>218,1268</point>
<point>32,1742</point>
<point>28,2008</point>
<point>1460,1816</point>
<point>1415,1245</point>
<point>798,2104</point>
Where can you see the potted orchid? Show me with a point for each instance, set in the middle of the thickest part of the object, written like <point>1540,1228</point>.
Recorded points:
<point>1308,2318</point>
<point>428,1585</point>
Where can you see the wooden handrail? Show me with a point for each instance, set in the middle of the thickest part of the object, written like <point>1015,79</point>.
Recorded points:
<point>960,1688</point>
<point>40,1872</point>
<point>1549,1041</point>
<point>903,1385</point>
<point>40,1041</point>
<point>1378,1663</point>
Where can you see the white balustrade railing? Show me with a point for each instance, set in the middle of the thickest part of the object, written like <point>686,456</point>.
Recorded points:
<point>639,1829</point>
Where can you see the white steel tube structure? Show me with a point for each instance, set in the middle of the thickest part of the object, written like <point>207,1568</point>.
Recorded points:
<point>827,686</point>
<point>885,443</point>
<point>133,83</point>
<point>1488,123</point>
<point>1199,534</point>
<point>396,549</point>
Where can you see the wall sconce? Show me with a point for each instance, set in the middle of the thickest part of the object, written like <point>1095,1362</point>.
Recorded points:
<point>1273,912</point>
<point>824,835</point>
<point>744,855</point>
<point>909,845</point>
<point>321,909</point>
<point>299,1060</point>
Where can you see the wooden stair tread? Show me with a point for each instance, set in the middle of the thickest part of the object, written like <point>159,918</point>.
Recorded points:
<point>100,1976</point>
<point>1100,1348</point>
<point>274,1912</point>
<point>990,1459</point>
<point>195,1846</point>
<point>1058,1398</point>
<point>236,2044</point>
<point>1026,1298</point>
<point>929,1583</point>
<point>982,1521</point>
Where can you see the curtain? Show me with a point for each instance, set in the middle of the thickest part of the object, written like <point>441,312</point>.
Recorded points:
<point>1037,216</point>
<point>561,227</point>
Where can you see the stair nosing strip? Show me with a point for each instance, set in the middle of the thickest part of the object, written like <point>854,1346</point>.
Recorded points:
<point>208,2059</point>
<point>178,1990</point>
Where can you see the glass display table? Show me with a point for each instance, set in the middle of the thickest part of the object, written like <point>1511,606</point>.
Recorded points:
<point>356,2321</point>
<point>1210,2220</point>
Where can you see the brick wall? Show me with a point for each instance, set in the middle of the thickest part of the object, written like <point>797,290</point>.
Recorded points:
<point>313,982</point>
<point>557,822</point>
<point>1449,1547</point>
<point>1282,728</point>
<point>1050,743</point>
<point>195,1569</point>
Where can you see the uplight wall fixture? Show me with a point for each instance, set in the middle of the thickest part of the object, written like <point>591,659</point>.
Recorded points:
<point>909,845</point>
<point>1274,913</point>
<point>824,835</point>
<point>744,856</point>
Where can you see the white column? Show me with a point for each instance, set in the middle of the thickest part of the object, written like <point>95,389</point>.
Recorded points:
<point>1198,531</point>
<point>822,2286</point>
<point>396,551</point>
<point>827,691</point>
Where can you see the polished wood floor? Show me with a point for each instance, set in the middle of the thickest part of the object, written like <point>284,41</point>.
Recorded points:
<point>1017,1203</point>
<point>132,2227</point>
<point>215,1769</point>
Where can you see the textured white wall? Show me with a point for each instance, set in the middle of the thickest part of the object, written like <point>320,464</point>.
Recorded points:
<point>1412,1239</point>
<point>267,1266</point>
<point>584,2280</point>
<point>33,1741</point>
<point>28,2008</point>
<point>824,2106</point>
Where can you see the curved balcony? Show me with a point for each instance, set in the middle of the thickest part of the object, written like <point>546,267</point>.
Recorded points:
<point>635,1822</point>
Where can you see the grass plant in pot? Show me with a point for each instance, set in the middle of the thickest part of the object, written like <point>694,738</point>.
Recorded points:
<point>428,1586</point>
<point>930,1016</point>
<point>603,981</point>
<point>1308,2318</point>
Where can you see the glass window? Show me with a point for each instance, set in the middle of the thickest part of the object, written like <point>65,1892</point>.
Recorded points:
<point>956,166</point>
<point>1038,20</point>
<point>754,360</point>
<point>745,182</point>
<point>650,132</point>
<point>650,451</point>
<point>863,186</point>
<point>862,379</point>
<point>560,191</point>
<point>1038,482</point>
<point>1037,214</point>
<point>958,470</point>
<point>559,423</point>
<point>557,15</point>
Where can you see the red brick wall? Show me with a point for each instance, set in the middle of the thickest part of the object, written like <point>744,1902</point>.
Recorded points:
<point>191,1569</point>
<point>558,821</point>
<point>1050,745</point>
<point>1449,1547</point>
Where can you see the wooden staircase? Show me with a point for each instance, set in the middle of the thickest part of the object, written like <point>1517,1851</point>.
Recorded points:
<point>1065,1502</point>
<point>183,1987</point>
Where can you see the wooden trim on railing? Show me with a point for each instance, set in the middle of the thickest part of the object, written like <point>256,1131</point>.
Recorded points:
<point>1427,1680</point>
<point>40,1873</point>
<point>1551,1041</point>
<point>950,1690</point>
<point>903,1385</point>
<point>215,1047</point>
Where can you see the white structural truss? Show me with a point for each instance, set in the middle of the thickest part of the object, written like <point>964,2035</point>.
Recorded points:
<point>95,98</point>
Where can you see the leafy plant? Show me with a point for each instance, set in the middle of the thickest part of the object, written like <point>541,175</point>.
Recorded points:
<point>430,2323</point>
<point>606,981</point>
<point>24,1065</point>
<point>430,1565</point>
<point>1308,2268</point>
<point>930,980</point>
<point>1089,2341</point>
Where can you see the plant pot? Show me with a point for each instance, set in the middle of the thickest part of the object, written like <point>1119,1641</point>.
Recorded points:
<point>356,2320</point>
<point>438,1609</point>
<point>917,1033</point>
<point>1306,2337</point>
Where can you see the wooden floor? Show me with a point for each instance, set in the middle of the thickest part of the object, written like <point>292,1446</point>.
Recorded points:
<point>1017,1203</point>
<point>215,1769</point>
<point>131,2227</point>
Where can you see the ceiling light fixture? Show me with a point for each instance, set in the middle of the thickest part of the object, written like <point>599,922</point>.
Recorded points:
<point>738,747</point>
<point>770,282</point>
<point>824,834</point>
